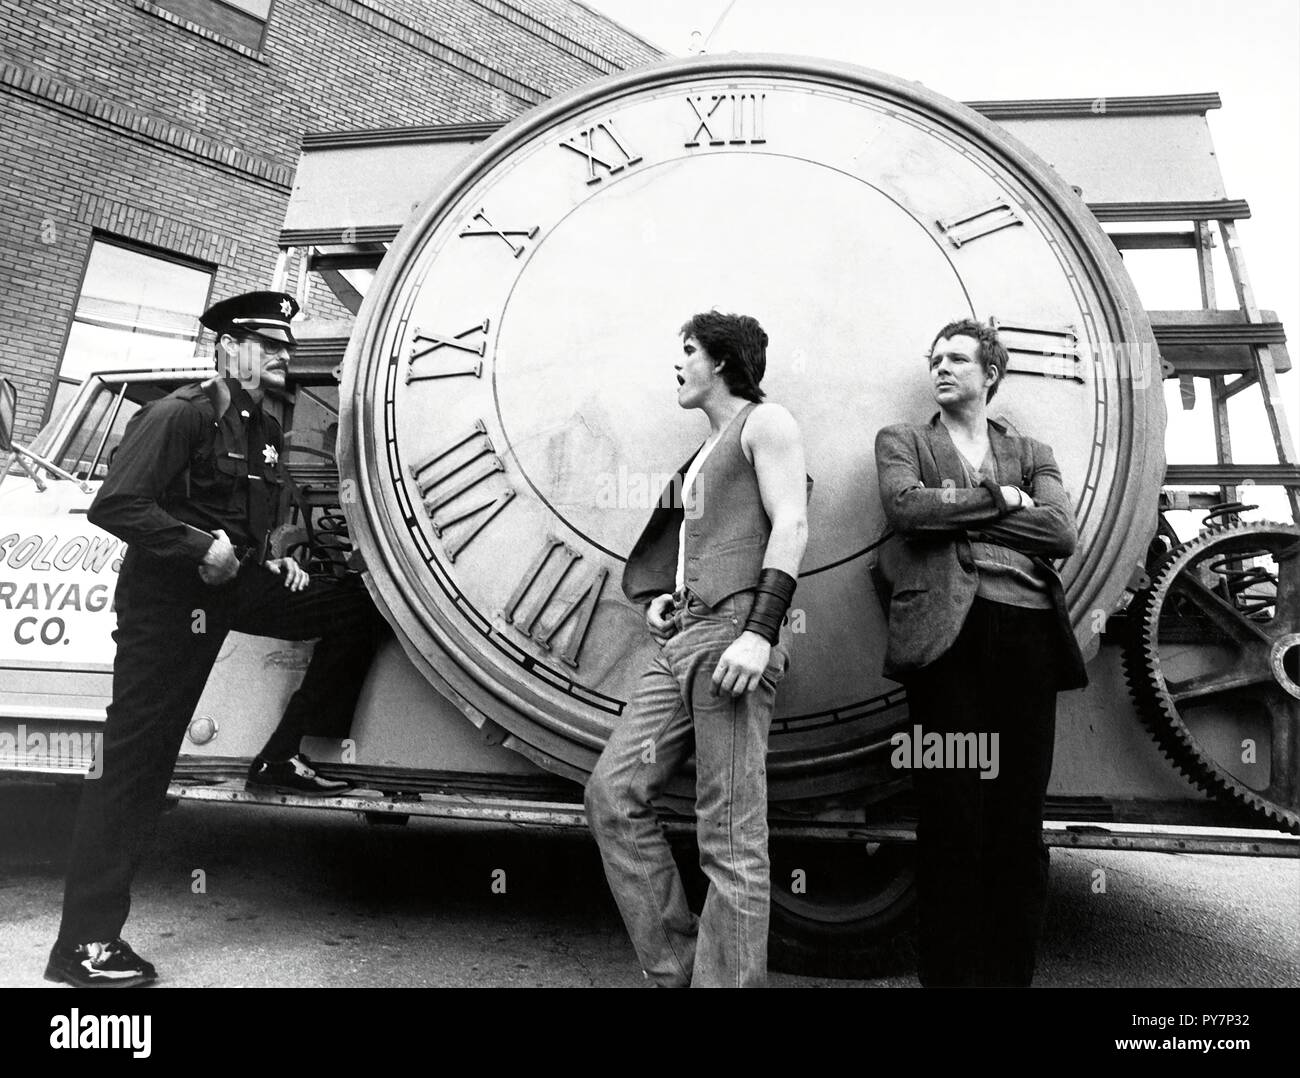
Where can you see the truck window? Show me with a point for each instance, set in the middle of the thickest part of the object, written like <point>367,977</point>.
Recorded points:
<point>316,418</point>
<point>97,432</point>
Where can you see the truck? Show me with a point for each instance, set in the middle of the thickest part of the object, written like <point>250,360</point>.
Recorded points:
<point>488,430</point>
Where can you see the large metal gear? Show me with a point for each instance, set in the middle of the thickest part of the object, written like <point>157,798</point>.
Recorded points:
<point>1213,659</point>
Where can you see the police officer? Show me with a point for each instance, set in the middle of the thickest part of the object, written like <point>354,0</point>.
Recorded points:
<point>193,491</point>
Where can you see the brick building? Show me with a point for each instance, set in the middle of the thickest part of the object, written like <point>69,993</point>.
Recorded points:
<point>149,147</point>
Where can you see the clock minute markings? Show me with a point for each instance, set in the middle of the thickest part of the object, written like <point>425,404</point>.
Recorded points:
<point>586,143</point>
<point>445,475</point>
<point>426,344</point>
<point>579,607</point>
<point>746,123</point>
<point>979,221</point>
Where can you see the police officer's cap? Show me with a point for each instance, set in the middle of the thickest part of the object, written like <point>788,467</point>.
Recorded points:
<point>265,313</point>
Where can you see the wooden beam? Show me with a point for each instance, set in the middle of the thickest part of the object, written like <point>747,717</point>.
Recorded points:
<point>1238,384</point>
<point>317,140</point>
<point>1152,241</point>
<point>1205,264</point>
<point>1147,105</point>
<point>350,260</point>
<point>1219,475</point>
<point>1209,342</point>
<point>1222,431</point>
<point>1249,333</point>
<point>338,237</point>
<point>343,290</point>
<point>1222,210</point>
<point>1264,368</point>
<point>1028,109</point>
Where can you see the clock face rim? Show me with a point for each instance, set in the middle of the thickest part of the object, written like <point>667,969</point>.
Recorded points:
<point>449,663</point>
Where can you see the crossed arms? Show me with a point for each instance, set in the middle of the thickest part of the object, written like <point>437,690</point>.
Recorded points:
<point>1045,528</point>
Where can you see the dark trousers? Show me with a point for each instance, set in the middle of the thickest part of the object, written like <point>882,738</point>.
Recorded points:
<point>981,862</point>
<point>170,628</point>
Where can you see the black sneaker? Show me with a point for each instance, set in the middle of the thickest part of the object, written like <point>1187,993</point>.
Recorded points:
<point>98,965</point>
<point>292,776</point>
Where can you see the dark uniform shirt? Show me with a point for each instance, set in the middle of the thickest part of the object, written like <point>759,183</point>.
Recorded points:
<point>181,473</point>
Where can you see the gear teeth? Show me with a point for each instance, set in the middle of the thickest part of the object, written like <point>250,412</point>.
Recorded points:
<point>1142,671</point>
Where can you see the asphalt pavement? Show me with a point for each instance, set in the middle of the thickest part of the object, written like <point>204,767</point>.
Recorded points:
<point>255,896</point>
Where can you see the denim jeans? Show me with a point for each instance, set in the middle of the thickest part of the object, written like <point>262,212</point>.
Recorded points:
<point>673,710</point>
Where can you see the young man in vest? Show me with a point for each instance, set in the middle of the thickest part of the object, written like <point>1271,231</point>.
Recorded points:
<point>717,570</point>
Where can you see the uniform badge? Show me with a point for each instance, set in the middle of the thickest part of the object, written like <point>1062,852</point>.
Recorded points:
<point>269,455</point>
<point>285,307</point>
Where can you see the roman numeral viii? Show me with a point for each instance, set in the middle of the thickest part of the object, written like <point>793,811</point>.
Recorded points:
<point>466,463</point>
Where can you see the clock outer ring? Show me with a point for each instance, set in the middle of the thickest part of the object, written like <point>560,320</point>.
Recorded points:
<point>1095,578</point>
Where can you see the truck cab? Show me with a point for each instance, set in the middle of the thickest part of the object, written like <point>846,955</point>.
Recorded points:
<point>58,573</point>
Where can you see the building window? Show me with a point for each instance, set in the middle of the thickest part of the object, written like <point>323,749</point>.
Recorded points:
<point>136,311</point>
<point>242,21</point>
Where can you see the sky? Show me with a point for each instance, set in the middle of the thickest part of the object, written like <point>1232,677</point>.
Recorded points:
<point>1248,51</point>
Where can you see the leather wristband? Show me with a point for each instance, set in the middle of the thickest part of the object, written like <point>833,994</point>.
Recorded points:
<point>771,601</point>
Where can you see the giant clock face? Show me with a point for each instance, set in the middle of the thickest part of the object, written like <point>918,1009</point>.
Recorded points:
<point>510,399</point>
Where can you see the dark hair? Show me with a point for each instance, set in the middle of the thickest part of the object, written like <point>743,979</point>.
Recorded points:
<point>738,343</point>
<point>990,351</point>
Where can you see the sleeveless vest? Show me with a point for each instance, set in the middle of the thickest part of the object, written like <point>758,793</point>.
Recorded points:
<point>727,528</point>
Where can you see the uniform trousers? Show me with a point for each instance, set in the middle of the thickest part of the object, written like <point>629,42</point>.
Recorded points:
<point>170,629</point>
<point>981,863</point>
<point>672,711</point>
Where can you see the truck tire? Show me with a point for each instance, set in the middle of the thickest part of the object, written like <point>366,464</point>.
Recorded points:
<point>842,910</point>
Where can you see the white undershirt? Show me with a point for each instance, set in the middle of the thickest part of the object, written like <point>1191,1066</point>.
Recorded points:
<point>688,502</point>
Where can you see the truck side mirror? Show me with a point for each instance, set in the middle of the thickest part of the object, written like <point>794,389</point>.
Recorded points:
<point>8,414</point>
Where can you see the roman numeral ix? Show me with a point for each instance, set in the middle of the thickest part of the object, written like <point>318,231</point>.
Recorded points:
<point>424,345</point>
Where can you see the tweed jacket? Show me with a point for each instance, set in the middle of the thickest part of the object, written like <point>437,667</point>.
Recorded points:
<point>926,572</point>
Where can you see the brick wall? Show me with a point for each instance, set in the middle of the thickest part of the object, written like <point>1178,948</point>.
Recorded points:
<point>117,118</point>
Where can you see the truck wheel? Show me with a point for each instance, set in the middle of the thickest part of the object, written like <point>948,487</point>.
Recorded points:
<point>841,909</point>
